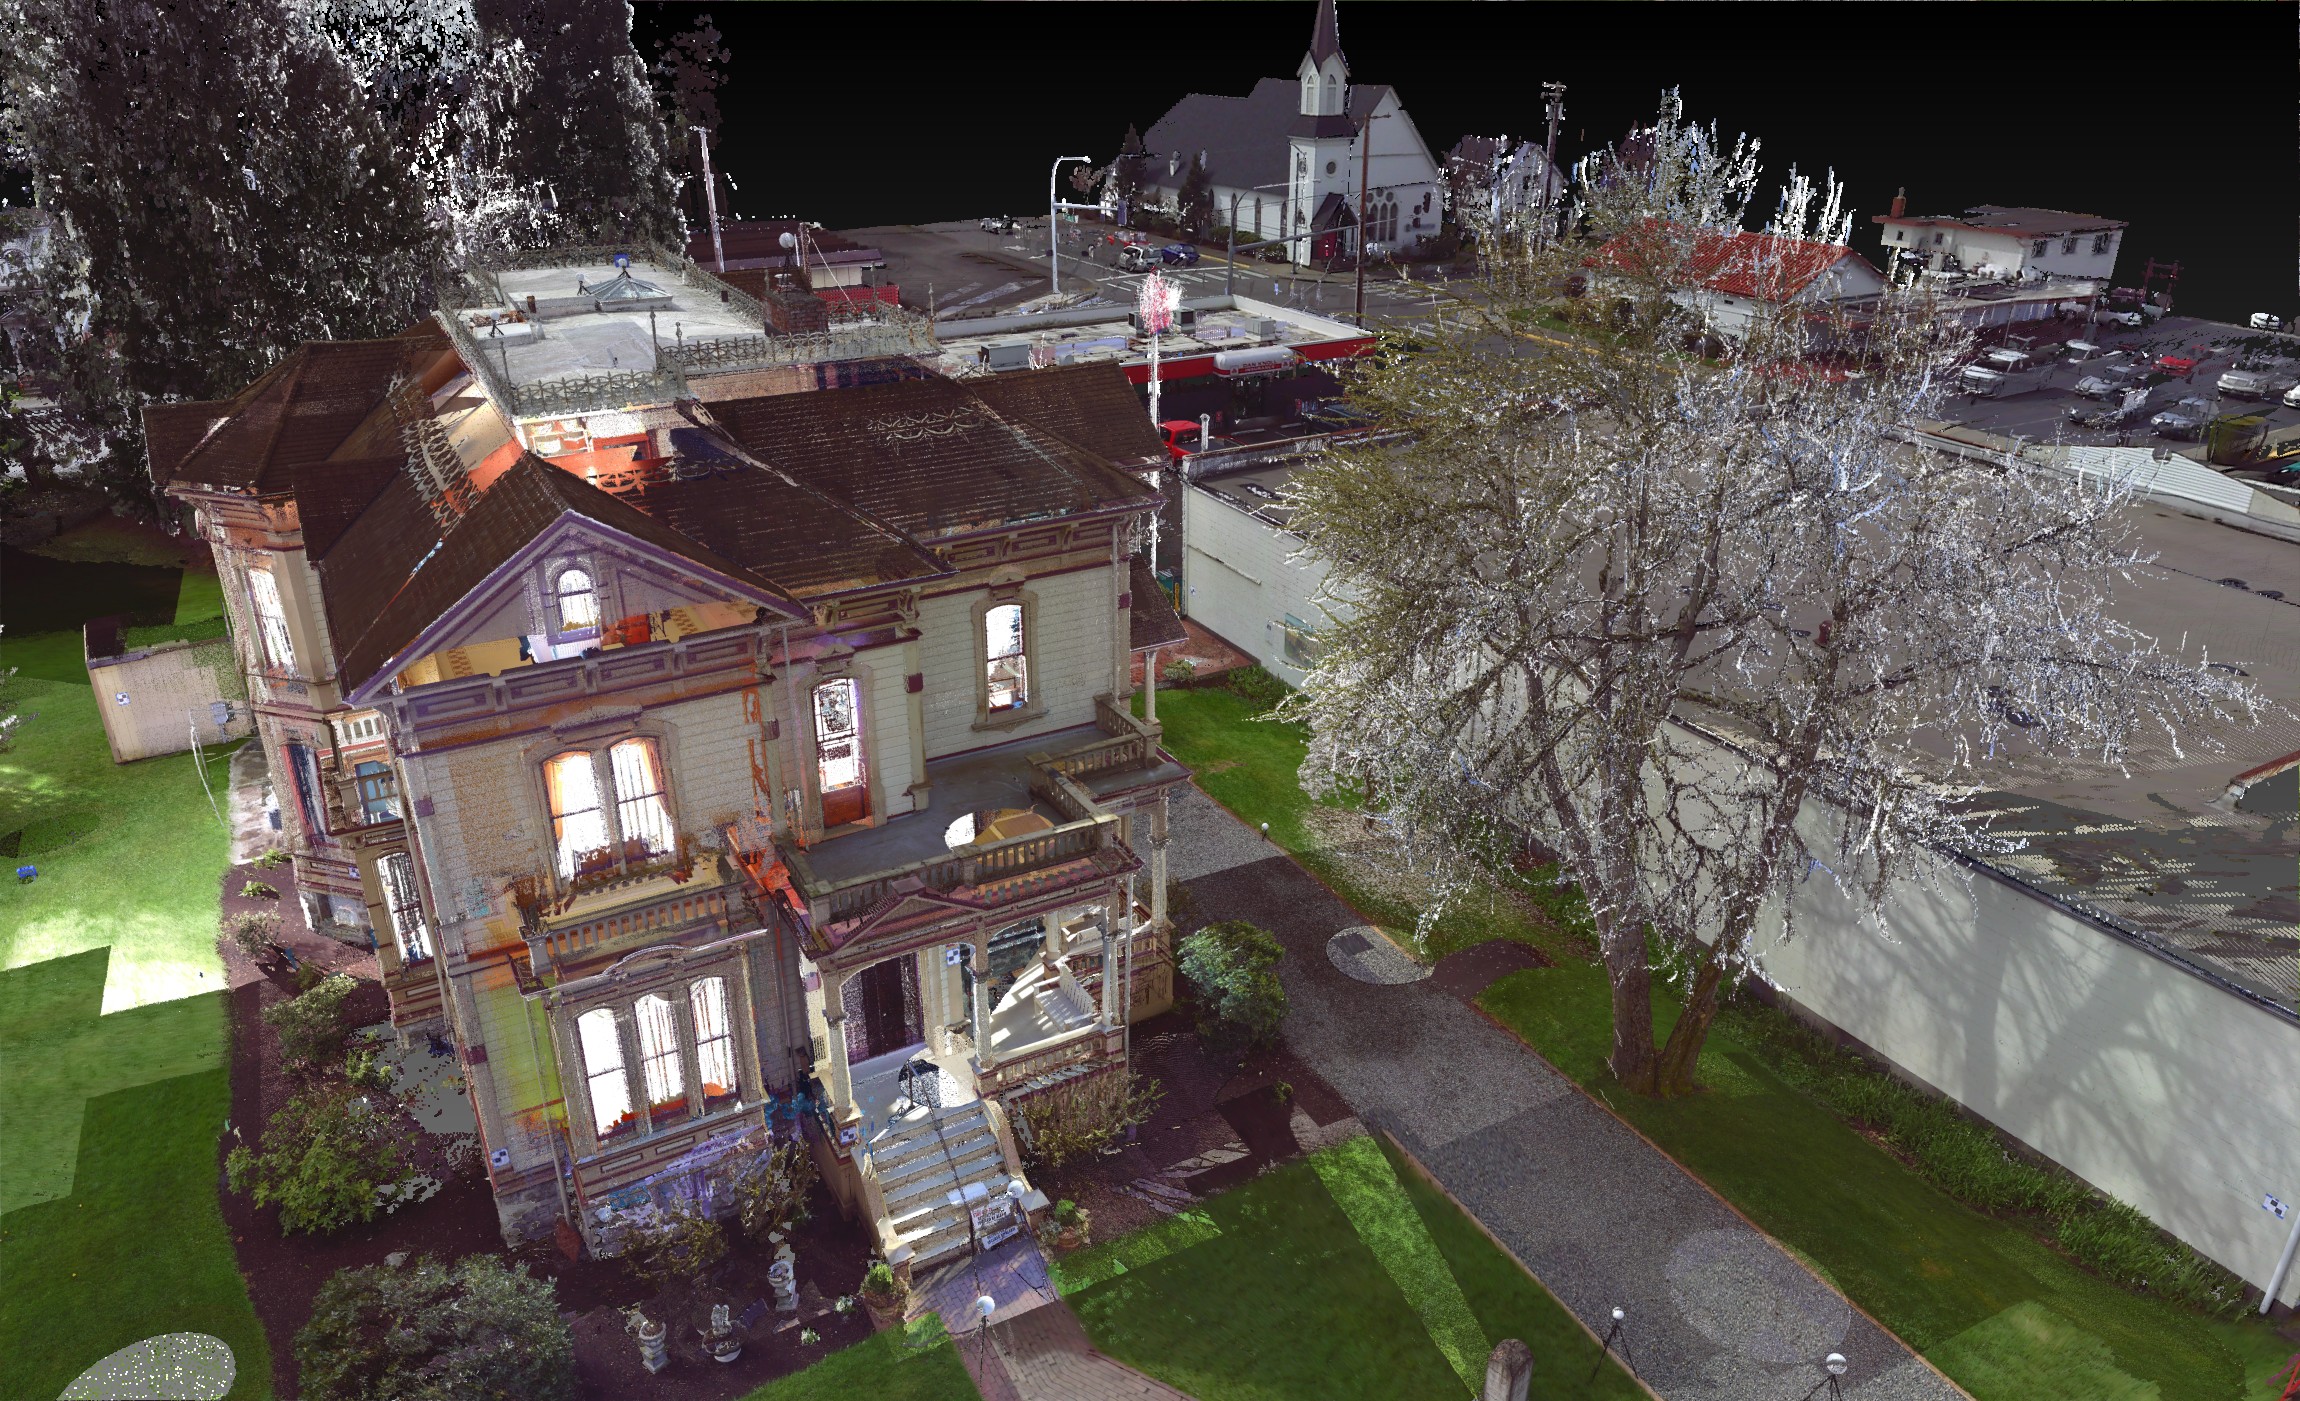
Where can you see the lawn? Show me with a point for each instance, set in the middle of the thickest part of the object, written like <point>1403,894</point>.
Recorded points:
<point>914,1363</point>
<point>113,1087</point>
<point>1342,1277</point>
<point>1250,765</point>
<point>2000,1311</point>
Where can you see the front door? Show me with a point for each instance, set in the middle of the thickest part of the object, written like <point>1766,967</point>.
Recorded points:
<point>882,1007</point>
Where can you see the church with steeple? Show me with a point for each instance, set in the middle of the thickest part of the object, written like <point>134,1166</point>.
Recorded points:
<point>1295,157</point>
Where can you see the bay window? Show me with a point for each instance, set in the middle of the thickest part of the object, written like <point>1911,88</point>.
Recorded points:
<point>271,619</point>
<point>715,1078</point>
<point>688,1063</point>
<point>603,1077</point>
<point>659,1059</point>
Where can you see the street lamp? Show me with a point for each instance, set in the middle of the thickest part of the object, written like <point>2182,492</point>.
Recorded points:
<point>1054,219</point>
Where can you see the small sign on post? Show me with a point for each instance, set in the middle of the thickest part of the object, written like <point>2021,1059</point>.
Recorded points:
<point>2273,1206</point>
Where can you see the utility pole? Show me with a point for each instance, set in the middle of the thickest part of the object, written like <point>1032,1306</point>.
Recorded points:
<point>1365,178</point>
<point>1054,208</point>
<point>1553,94</point>
<point>711,198</point>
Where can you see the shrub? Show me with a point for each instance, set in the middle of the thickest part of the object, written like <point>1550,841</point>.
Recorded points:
<point>253,932</point>
<point>2125,1246</point>
<point>313,1024</point>
<point>431,1332</point>
<point>879,1284</point>
<point>366,1070</point>
<point>1233,969</point>
<point>670,1245</point>
<point>1179,672</point>
<point>1256,687</point>
<point>271,860</point>
<point>771,1190</point>
<point>326,1158</point>
<point>1083,1116</point>
<point>257,890</point>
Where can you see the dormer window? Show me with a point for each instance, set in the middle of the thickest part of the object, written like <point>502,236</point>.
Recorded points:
<point>578,600</point>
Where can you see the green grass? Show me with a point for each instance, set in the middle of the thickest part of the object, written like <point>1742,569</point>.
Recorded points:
<point>1995,1307</point>
<point>1347,1276</point>
<point>199,596</point>
<point>1251,766</point>
<point>914,1363</point>
<point>111,1230</point>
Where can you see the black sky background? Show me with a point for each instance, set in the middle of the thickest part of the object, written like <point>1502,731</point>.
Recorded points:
<point>855,114</point>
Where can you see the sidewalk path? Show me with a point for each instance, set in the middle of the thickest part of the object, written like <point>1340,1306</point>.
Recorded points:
<point>1716,1310</point>
<point>1035,1348</point>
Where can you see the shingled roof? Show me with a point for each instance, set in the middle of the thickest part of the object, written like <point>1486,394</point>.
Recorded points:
<point>927,457</point>
<point>298,413</point>
<point>396,568</point>
<point>1088,406</point>
<point>1152,621</point>
<point>1763,267</point>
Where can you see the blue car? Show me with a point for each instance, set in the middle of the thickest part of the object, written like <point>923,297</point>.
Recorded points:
<point>1179,255</point>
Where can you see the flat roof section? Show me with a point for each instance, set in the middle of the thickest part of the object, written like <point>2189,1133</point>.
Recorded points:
<point>1102,335</point>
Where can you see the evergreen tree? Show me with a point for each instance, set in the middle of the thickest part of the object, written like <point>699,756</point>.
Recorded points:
<point>1194,205</point>
<point>1126,171</point>
<point>585,127</point>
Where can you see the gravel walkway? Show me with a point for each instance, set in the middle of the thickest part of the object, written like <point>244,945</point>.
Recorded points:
<point>1716,1311</point>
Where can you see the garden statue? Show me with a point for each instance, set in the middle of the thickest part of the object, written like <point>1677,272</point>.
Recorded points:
<point>722,1340</point>
<point>652,1354</point>
<point>782,1277</point>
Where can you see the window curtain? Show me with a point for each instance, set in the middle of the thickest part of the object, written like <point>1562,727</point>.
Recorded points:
<point>659,1051</point>
<point>603,1069</point>
<point>640,808</point>
<point>578,823</point>
<point>714,1041</point>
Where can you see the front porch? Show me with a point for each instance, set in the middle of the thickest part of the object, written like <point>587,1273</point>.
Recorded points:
<point>974,953</point>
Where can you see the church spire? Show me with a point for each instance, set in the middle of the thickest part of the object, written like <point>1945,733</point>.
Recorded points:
<point>1326,38</point>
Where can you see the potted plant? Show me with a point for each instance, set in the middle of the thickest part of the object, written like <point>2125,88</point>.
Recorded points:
<point>1073,1225</point>
<point>884,1295</point>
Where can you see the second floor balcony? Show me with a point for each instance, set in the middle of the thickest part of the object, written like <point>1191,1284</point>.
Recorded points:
<point>1001,825</point>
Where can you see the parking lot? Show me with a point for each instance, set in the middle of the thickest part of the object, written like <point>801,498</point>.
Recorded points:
<point>2037,402</point>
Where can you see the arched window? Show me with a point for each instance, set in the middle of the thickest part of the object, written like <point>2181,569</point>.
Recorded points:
<point>603,1074</point>
<point>641,810</point>
<point>715,1074</point>
<point>659,1058</point>
<point>1333,91</point>
<point>578,601</point>
<point>271,619</point>
<point>578,822</point>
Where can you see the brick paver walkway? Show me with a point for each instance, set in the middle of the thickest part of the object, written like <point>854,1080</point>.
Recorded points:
<point>1716,1310</point>
<point>1035,1348</point>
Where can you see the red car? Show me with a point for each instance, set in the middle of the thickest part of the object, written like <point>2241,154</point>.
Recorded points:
<point>1181,435</point>
<point>2176,364</point>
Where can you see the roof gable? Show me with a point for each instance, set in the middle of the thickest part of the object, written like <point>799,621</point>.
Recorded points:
<point>301,411</point>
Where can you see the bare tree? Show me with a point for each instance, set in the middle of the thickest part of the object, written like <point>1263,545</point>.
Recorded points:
<point>1702,629</point>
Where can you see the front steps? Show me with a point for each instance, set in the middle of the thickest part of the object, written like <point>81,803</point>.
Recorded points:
<point>921,1162</point>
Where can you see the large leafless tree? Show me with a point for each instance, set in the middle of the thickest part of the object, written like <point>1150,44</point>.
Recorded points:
<point>1701,629</point>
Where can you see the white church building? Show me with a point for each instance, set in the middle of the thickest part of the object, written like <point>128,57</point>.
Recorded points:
<point>1287,157</point>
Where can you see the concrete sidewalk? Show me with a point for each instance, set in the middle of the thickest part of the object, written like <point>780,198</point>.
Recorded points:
<point>1716,1310</point>
<point>1034,1349</point>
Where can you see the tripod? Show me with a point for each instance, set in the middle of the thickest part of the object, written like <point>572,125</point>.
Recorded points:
<point>1832,1367</point>
<point>1605,1348</point>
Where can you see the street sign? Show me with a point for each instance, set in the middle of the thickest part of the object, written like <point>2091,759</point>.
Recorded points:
<point>2270,1204</point>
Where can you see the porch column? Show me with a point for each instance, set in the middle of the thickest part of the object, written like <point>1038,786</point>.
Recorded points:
<point>835,1046</point>
<point>948,976</point>
<point>984,1056</point>
<point>1158,864</point>
<point>1115,916</point>
<point>1150,688</point>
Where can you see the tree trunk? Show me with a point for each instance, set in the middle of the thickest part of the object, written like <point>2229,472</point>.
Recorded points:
<point>1632,1061</point>
<point>1681,1055</point>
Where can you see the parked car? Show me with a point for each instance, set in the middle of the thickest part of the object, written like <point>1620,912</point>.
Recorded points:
<point>1137,257</point>
<point>2094,387</point>
<point>1184,436</point>
<point>1179,255</point>
<point>2243,384</point>
<point>2175,425</point>
<point>2292,397</point>
<point>2123,318</point>
<point>2176,364</point>
<point>1336,416</point>
<point>2263,321</point>
<point>1000,224</point>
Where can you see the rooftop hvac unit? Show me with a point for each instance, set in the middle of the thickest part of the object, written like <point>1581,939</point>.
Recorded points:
<point>1010,357</point>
